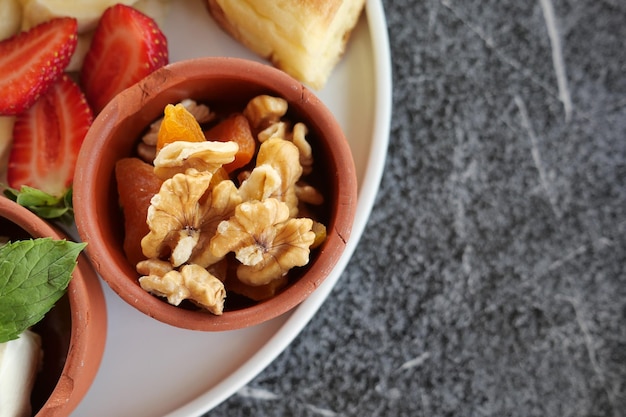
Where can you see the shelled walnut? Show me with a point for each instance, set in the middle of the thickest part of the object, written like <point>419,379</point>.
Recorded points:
<point>202,213</point>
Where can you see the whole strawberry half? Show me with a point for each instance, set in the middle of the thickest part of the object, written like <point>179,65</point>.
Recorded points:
<point>31,61</point>
<point>47,138</point>
<point>127,46</point>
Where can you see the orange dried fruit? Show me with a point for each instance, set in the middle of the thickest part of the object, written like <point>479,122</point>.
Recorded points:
<point>257,292</point>
<point>219,176</point>
<point>235,128</point>
<point>178,125</point>
<point>136,184</point>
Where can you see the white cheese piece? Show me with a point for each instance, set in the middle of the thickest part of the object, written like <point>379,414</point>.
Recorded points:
<point>19,362</point>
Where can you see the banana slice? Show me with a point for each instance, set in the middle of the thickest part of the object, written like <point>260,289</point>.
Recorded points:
<point>10,18</point>
<point>87,12</point>
<point>156,9</point>
<point>6,138</point>
<point>82,47</point>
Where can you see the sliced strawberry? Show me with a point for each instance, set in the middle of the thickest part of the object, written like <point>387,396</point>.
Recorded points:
<point>47,138</point>
<point>31,61</point>
<point>127,45</point>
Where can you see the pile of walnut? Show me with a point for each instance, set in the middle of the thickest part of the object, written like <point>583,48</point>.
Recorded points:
<point>200,215</point>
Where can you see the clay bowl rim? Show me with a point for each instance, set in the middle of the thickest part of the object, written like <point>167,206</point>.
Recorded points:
<point>88,317</point>
<point>172,83</point>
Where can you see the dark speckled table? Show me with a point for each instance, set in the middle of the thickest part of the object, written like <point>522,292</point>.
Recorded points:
<point>491,279</point>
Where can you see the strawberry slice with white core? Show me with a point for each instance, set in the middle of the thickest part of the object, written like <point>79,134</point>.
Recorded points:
<point>31,61</point>
<point>47,138</point>
<point>126,47</point>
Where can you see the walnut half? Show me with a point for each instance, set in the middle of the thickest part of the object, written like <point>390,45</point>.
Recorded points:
<point>192,282</point>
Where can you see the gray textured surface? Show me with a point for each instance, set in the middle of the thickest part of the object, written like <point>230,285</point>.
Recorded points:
<point>491,278</point>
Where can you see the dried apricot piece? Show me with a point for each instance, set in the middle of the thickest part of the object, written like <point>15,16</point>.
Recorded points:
<point>257,292</point>
<point>178,124</point>
<point>136,184</point>
<point>235,128</point>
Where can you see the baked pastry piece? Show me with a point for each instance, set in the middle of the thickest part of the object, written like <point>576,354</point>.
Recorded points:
<point>304,38</point>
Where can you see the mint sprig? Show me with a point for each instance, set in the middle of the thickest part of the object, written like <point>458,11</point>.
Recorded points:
<point>44,205</point>
<point>34,274</point>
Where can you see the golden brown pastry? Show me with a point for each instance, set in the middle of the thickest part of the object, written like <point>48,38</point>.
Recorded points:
<point>304,38</point>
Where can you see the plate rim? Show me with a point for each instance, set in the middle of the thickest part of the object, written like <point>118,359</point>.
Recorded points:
<point>300,317</point>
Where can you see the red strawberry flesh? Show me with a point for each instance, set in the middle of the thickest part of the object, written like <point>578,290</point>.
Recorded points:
<point>31,61</point>
<point>126,47</point>
<point>47,138</point>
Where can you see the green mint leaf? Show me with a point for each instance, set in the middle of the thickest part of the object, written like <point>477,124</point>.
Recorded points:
<point>47,212</point>
<point>34,274</point>
<point>43,204</point>
<point>28,196</point>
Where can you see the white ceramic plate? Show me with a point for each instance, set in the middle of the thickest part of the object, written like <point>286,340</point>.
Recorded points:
<point>152,369</point>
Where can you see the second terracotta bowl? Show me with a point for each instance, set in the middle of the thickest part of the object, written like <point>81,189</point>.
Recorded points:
<point>229,82</point>
<point>73,333</point>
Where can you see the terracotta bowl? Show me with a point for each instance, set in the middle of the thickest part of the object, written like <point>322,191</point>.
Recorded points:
<point>227,82</point>
<point>73,333</point>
